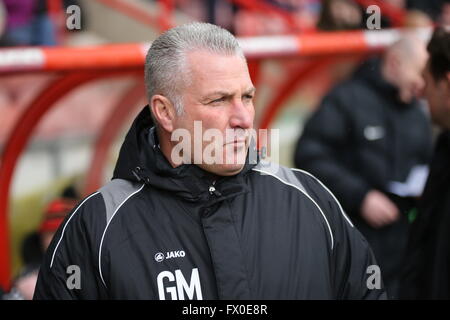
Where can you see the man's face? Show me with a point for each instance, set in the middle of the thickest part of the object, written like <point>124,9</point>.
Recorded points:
<point>437,94</point>
<point>220,95</point>
<point>409,77</point>
<point>346,13</point>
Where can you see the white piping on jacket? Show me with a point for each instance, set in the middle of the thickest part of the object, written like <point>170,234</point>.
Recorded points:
<point>308,196</point>
<point>104,232</point>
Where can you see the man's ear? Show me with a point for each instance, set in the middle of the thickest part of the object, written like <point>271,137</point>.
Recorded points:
<point>163,111</point>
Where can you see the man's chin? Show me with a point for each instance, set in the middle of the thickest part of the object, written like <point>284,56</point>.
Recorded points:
<point>232,163</point>
<point>223,169</point>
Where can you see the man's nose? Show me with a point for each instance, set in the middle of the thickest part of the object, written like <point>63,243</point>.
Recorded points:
<point>241,115</point>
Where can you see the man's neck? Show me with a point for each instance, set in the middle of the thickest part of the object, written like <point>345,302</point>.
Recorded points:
<point>387,74</point>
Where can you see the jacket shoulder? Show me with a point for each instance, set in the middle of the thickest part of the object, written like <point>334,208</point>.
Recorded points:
<point>300,179</point>
<point>350,92</point>
<point>92,215</point>
<point>312,189</point>
<point>116,193</point>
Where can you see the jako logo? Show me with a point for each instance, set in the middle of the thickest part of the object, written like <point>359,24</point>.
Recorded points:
<point>175,254</point>
<point>177,290</point>
<point>169,255</point>
<point>159,257</point>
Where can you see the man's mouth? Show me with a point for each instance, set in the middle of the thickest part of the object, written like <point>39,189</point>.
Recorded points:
<point>237,140</point>
<point>237,143</point>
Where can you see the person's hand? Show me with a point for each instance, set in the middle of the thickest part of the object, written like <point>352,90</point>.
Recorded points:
<point>378,210</point>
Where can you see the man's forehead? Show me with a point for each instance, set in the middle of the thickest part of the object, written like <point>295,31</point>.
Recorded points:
<point>211,70</point>
<point>199,58</point>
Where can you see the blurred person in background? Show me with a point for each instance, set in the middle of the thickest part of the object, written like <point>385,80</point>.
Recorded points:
<point>369,141</point>
<point>417,19</point>
<point>340,15</point>
<point>303,15</point>
<point>28,23</point>
<point>444,17</point>
<point>19,14</point>
<point>435,9</point>
<point>35,245</point>
<point>348,14</point>
<point>3,41</point>
<point>427,265</point>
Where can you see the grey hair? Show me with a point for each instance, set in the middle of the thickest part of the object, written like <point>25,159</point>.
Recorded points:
<point>165,64</point>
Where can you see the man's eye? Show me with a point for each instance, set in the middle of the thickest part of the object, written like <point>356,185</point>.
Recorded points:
<point>248,97</point>
<point>218,100</point>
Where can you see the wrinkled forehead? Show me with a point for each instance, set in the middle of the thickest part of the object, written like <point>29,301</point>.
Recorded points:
<point>206,68</point>
<point>204,59</point>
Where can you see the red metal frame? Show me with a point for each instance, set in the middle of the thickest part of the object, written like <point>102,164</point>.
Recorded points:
<point>267,8</point>
<point>109,132</point>
<point>290,84</point>
<point>294,80</point>
<point>18,140</point>
<point>112,56</point>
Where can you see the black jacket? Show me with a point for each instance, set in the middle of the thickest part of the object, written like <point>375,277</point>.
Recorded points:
<point>427,266</point>
<point>157,232</point>
<point>362,136</point>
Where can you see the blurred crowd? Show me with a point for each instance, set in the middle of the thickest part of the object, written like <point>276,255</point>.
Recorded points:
<point>31,22</point>
<point>38,22</point>
<point>314,15</point>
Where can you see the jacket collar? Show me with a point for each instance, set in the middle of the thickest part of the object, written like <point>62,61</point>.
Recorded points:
<point>140,159</point>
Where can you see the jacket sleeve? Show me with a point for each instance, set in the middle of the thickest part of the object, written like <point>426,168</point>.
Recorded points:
<point>323,143</point>
<point>355,273</point>
<point>70,268</point>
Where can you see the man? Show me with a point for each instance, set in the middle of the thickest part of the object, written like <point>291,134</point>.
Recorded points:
<point>427,267</point>
<point>201,229</point>
<point>366,140</point>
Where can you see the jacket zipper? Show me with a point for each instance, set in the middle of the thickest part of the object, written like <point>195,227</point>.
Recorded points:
<point>214,191</point>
